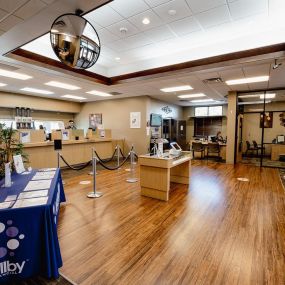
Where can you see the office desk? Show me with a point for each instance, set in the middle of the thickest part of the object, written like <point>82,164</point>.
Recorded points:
<point>276,150</point>
<point>223,147</point>
<point>28,234</point>
<point>157,173</point>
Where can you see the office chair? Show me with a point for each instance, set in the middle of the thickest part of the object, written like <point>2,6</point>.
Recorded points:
<point>249,148</point>
<point>258,147</point>
<point>214,148</point>
<point>198,147</point>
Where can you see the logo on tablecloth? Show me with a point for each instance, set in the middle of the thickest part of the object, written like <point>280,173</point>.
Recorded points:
<point>55,207</point>
<point>14,237</point>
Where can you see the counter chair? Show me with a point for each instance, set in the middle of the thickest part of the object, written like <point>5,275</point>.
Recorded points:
<point>258,147</point>
<point>214,148</point>
<point>250,148</point>
<point>198,147</point>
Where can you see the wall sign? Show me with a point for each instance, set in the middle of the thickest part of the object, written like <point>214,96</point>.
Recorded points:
<point>166,110</point>
<point>135,120</point>
<point>95,120</point>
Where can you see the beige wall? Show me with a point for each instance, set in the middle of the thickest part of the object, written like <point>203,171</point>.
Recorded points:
<point>116,116</point>
<point>10,100</point>
<point>188,114</point>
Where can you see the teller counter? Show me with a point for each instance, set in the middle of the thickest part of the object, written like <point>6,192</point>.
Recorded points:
<point>43,155</point>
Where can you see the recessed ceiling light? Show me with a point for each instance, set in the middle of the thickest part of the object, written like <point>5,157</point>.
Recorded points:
<point>14,75</point>
<point>117,58</point>
<point>99,93</point>
<point>73,97</point>
<point>253,102</point>
<point>62,85</point>
<point>268,96</point>
<point>146,21</point>
<point>177,88</point>
<point>248,80</point>
<point>248,96</point>
<point>54,31</point>
<point>3,84</point>
<point>39,91</point>
<point>202,100</point>
<point>185,96</point>
<point>171,12</point>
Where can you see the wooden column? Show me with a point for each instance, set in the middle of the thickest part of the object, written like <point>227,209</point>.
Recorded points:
<point>231,126</point>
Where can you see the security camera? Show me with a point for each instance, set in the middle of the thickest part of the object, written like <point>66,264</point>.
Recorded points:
<point>276,65</point>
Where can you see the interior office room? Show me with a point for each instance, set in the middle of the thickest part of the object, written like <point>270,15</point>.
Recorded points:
<point>142,142</point>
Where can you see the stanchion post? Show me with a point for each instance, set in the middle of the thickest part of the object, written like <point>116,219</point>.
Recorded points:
<point>118,156</point>
<point>58,159</point>
<point>132,179</point>
<point>92,154</point>
<point>94,194</point>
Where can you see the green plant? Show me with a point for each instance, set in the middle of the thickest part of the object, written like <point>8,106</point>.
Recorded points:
<point>9,146</point>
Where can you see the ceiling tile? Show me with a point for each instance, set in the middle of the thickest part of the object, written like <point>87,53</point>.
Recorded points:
<point>9,23</point>
<point>214,17</point>
<point>137,41</point>
<point>30,9</point>
<point>159,34</point>
<point>229,74</point>
<point>154,20</point>
<point>105,16</point>
<point>153,3</point>
<point>179,6</point>
<point>131,29</point>
<point>204,5</point>
<point>106,37</point>
<point>244,8</point>
<point>2,14</point>
<point>118,46</point>
<point>11,5</point>
<point>185,26</point>
<point>256,70</point>
<point>127,8</point>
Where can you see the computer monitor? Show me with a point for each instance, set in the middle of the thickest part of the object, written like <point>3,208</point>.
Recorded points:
<point>281,139</point>
<point>155,120</point>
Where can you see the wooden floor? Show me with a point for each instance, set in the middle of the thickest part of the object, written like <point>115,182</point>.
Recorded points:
<point>219,231</point>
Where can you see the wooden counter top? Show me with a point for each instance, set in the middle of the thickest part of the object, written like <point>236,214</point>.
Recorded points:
<point>69,142</point>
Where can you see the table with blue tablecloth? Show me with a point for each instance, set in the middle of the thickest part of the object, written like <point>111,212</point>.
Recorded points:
<point>29,243</point>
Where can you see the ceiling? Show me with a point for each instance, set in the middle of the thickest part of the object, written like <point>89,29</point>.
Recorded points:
<point>200,28</point>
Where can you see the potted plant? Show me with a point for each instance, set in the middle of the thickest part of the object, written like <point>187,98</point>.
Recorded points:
<point>9,146</point>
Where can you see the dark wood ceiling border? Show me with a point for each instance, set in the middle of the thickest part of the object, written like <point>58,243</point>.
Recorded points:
<point>36,59</point>
<point>33,58</point>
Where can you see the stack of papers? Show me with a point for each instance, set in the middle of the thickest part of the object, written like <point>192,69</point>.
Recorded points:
<point>38,185</point>
<point>47,169</point>
<point>33,194</point>
<point>5,205</point>
<point>44,175</point>
<point>30,202</point>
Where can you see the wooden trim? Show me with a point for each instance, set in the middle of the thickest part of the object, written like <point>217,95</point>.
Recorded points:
<point>36,59</point>
<point>199,62</point>
<point>33,58</point>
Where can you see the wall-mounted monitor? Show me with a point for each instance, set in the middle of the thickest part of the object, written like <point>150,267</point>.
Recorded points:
<point>155,120</point>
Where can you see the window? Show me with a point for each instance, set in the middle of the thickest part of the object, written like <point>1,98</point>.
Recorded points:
<point>8,123</point>
<point>216,111</point>
<point>49,125</point>
<point>208,111</point>
<point>201,111</point>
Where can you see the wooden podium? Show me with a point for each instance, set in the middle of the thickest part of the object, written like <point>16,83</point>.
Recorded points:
<point>156,173</point>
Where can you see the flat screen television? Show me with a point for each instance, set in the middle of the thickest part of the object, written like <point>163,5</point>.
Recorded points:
<point>155,120</point>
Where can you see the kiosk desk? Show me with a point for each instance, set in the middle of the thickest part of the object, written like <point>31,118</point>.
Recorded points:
<point>156,173</point>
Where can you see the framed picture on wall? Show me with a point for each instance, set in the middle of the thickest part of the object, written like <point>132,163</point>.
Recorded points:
<point>267,121</point>
<point>135,120</point>
<point>95,120</point>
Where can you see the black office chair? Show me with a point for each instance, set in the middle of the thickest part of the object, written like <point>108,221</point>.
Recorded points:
<point>198,147</point>
<point>249,148</point>
<point>258,147</point>
<point>214,148</point>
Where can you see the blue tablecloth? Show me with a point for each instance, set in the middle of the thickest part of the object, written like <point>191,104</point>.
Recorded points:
<point>28,236</point>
